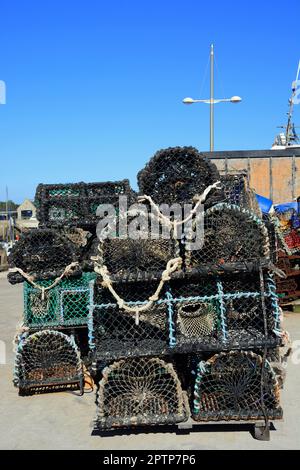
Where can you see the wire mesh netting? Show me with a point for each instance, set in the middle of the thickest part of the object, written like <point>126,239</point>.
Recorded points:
<point>65,304</point>
<point>196,313</point>
<point>76,204</point>
<point>231,235</point>
<point>136,259</point>
<point>236,385</point>
<point>47,361</point>
<point>211,313</point>
<point>139,392</point>
<point>42,254</point>
<point>136,247</point>
<point>273,238</point>
<point>236,191</point>
<point>177,174</point>
<point>77,236</point>
<point>230,311</point>
<point>116,333</point>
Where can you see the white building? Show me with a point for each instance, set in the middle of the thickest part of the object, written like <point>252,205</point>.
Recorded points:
<point>26,215</point>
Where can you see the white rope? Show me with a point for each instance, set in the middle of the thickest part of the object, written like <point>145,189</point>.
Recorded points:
<point>30,279</point>
<point>199,199</point>
<point>171,267</point>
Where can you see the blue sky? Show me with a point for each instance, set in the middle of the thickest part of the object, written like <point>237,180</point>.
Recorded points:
<point>94,88</point>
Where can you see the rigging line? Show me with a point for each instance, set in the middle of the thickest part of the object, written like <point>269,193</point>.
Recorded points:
<point>298,71</point>
<point>220,78</point>
<point>204,76</point>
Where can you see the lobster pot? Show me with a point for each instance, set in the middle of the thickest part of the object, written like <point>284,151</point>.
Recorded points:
<point>224,312</point>
<point>136,259</point>
<point>176,175</point>
<point>236,385</point>
<point>231,236</point>
<point>251,309</point>
<point>139,392</point>
<point>76,204</point>
<point>47,361</point>
<point>115,333</point>
<point>197,315</point>
<point>42,254</point>
<point>66,304</point>
<point>270,224</point>
<point>236,191</point>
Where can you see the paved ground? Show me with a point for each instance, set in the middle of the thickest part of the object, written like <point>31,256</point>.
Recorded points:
<point>63,420</point>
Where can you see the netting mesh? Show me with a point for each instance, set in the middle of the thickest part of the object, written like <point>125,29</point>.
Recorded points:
<point>136,259</point>
<point>236,191</point>
<point>196,319</point>
<point>77,236</point>
<point>42,254</point>
<point>76,204</point>
<point>231,235</point>
<point>47,360</point>
<point>176,174</point>
<point>273,238</point>
<point>229,386</point>
<point>219,297</point>
<point>236,310</point>
<point>116,333</point>
<point>65,304</point>
<point>211,313</point>
<point>139,391</point>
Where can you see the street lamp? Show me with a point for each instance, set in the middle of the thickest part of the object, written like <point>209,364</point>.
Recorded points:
<point>212,101</point>
<point>233,99</point>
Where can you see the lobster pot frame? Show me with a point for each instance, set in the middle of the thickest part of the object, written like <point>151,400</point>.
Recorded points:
<point>236,385</point>
<point>144,258</point>
<point>232,237</point>
<point>139,392</point>
<point>197,317</point>
<point>176,175</point>
<point>47,361</point>
<point>186,365</point>
<point>273,238</point>
<point>225,312</point>
<point>209,314</point>
<point>115,333</point>
<point>61,205</point>
<point>42,254</point>
<point>66,304</point>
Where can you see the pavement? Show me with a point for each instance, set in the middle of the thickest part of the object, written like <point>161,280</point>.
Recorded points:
<point>64,420</point>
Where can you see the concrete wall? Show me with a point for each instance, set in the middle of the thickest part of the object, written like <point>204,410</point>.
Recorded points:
<point>272,173</point>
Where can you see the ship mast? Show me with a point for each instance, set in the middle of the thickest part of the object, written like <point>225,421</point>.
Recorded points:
<point>290,133</point>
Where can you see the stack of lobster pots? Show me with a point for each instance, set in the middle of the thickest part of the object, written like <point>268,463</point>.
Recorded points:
<point>165,296</point>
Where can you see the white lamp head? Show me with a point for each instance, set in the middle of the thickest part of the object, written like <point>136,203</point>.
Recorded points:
<point>188,101</point>
<point>235,99</point>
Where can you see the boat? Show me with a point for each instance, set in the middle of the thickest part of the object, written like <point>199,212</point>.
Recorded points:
<point>289,137</point>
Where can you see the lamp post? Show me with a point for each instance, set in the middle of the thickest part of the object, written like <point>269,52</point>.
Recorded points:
<point>212,101</point>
